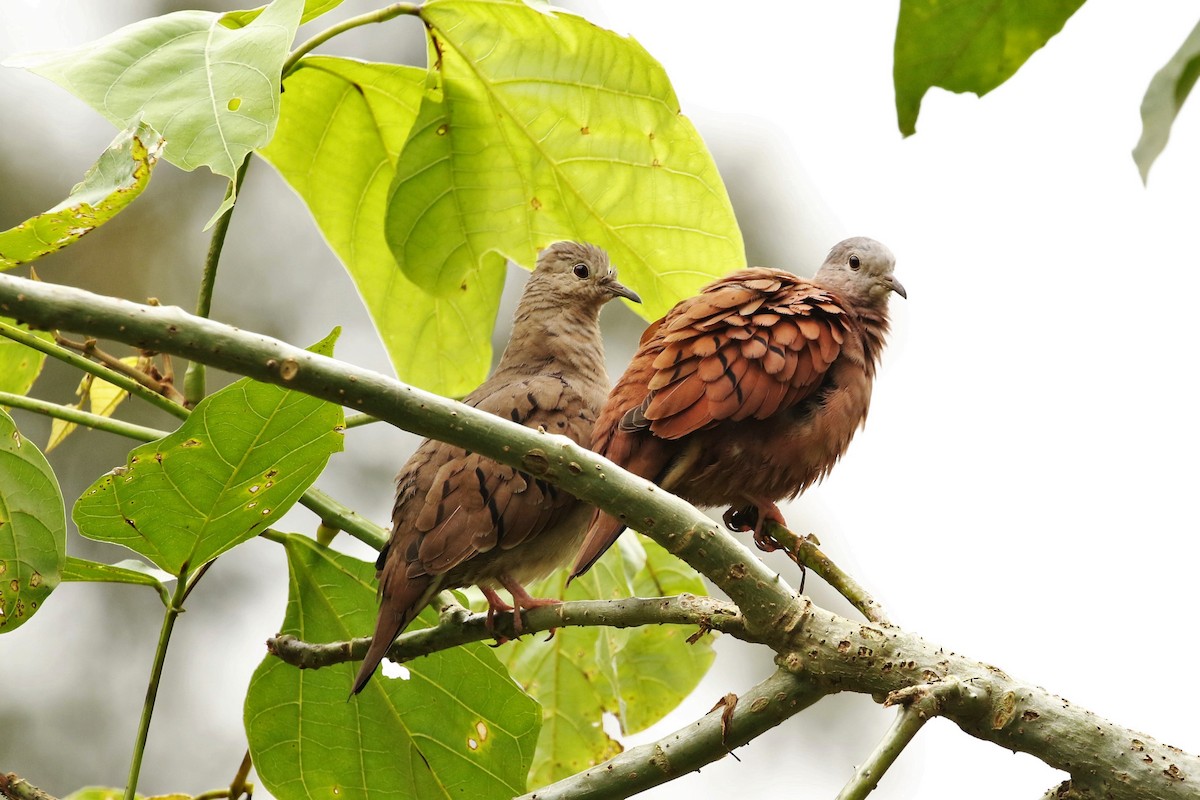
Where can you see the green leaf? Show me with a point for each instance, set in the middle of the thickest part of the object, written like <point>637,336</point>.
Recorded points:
<point>33,528</point>
<point>341,128</point>
<point>20,365</point>
<point>210,90</point>
<point>130,571</point>
<point>457,727</point>
<point>580,137</point>
<point>638,674</point>
<point>1165,96</point>
<point>120,175</point>
<point>967,46</point>
<point>242,458</point>
<point>312,10</point>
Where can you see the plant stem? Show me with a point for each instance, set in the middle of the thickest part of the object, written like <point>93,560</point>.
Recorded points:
<point>358,420</point>
<point>194,384</point>
<point>87,365</point>
<point>336,515</point>
<point>160,656</point>
<point>80,417</point>
<point>379,15</point>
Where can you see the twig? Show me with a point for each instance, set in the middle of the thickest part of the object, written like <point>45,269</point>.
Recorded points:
<point>804,550</point>
<point>91,367</point>
<point>80,417</point>
<point>238,786</point>
<point>88,348</point>
<point>15,787</point>
<point>458,626</point>
<point>704,741</point>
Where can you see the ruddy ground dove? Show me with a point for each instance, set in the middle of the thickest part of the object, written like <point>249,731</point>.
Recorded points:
<point>750,391</point>
<point>462,519</point>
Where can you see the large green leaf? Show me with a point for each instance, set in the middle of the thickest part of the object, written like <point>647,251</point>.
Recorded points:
<point>577,136</point>
<point>242,458</point>
<point>341,128</point>
<point>1165,95</point>
<point>33,527</point>
<point>20,365</point>
<point>212,91</point>
<point>637,674</point>
<point>120,175</point>
<point>967,46</point>
<point>456,727</point>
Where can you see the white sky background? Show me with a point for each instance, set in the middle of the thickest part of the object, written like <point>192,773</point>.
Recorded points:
<point>1023,492</point>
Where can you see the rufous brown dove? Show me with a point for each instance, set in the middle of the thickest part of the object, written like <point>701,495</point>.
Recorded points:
<point>462,519</point>
<point>749,392</point>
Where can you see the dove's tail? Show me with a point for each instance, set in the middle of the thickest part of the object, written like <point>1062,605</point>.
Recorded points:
<point>399,607</point>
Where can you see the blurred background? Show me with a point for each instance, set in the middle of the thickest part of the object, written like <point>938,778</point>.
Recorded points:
<point>1023,492</point>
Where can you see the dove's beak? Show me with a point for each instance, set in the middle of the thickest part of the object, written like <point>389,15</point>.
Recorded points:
<point>895,285</point>
<point>621,290</point>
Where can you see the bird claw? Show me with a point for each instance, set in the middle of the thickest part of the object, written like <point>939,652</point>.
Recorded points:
<point>740,520</point>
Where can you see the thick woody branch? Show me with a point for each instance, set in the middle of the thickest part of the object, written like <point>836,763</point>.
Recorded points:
<point>733,722</point>
<point>459,626</point>
<point>766,600</point>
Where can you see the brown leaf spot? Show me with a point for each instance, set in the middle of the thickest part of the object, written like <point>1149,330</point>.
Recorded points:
<point>535,204</point>
<point>443,129</point>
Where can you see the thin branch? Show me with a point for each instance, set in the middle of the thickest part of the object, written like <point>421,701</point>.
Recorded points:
<point>194,378</point>
<point>87,365</point>
<point>80,417</point>
<point>866,778</point>
<point>15,787</point>
<point>805,551</point>
<point>88,348</point>
<point>380,15</point>
<point>704,741</point>
<point>459,626</point>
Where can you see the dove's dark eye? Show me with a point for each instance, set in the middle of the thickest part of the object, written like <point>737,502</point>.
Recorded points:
<point>854,263</point>
<point>580,270</point>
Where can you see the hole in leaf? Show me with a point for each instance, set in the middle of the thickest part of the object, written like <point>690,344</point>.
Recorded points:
<point>471,743</point>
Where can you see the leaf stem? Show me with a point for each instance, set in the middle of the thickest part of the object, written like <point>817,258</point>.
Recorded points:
<point>182,587</point>
<point>379,15</point>
<point>87,365</point>
<point>194,384</point>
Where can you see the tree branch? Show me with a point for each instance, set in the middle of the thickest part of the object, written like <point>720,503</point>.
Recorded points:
<point>14,787</point>
<point>823,652</point>
<point>731,724</point>
<point>805,551</point>
<point>459,626</point>
<point>765,599</point>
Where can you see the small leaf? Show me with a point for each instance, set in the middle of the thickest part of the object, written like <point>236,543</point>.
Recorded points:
<point>637,674</point>
<point>1165,96</point>
<point>341,128</point>
<point>33,528</point>
<point>181,73</point>
<point>457,726</point>
<point>20,365</point>
<point>242,458</point>
<point>312,10</point>
<point>580,137</point>
<point>967,46</point>
<point>130,570</point>
<point>120,175</point>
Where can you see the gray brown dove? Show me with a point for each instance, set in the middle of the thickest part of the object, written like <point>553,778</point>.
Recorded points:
<point>750,391</point>
<point>462,519</point>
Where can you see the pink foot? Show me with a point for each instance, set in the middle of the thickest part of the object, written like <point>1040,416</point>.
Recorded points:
<point>523,600</point>
<point>756,517</point>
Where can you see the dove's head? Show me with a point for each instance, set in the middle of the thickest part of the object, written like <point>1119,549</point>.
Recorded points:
<point>860,269</point>
<point>577,273</point>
